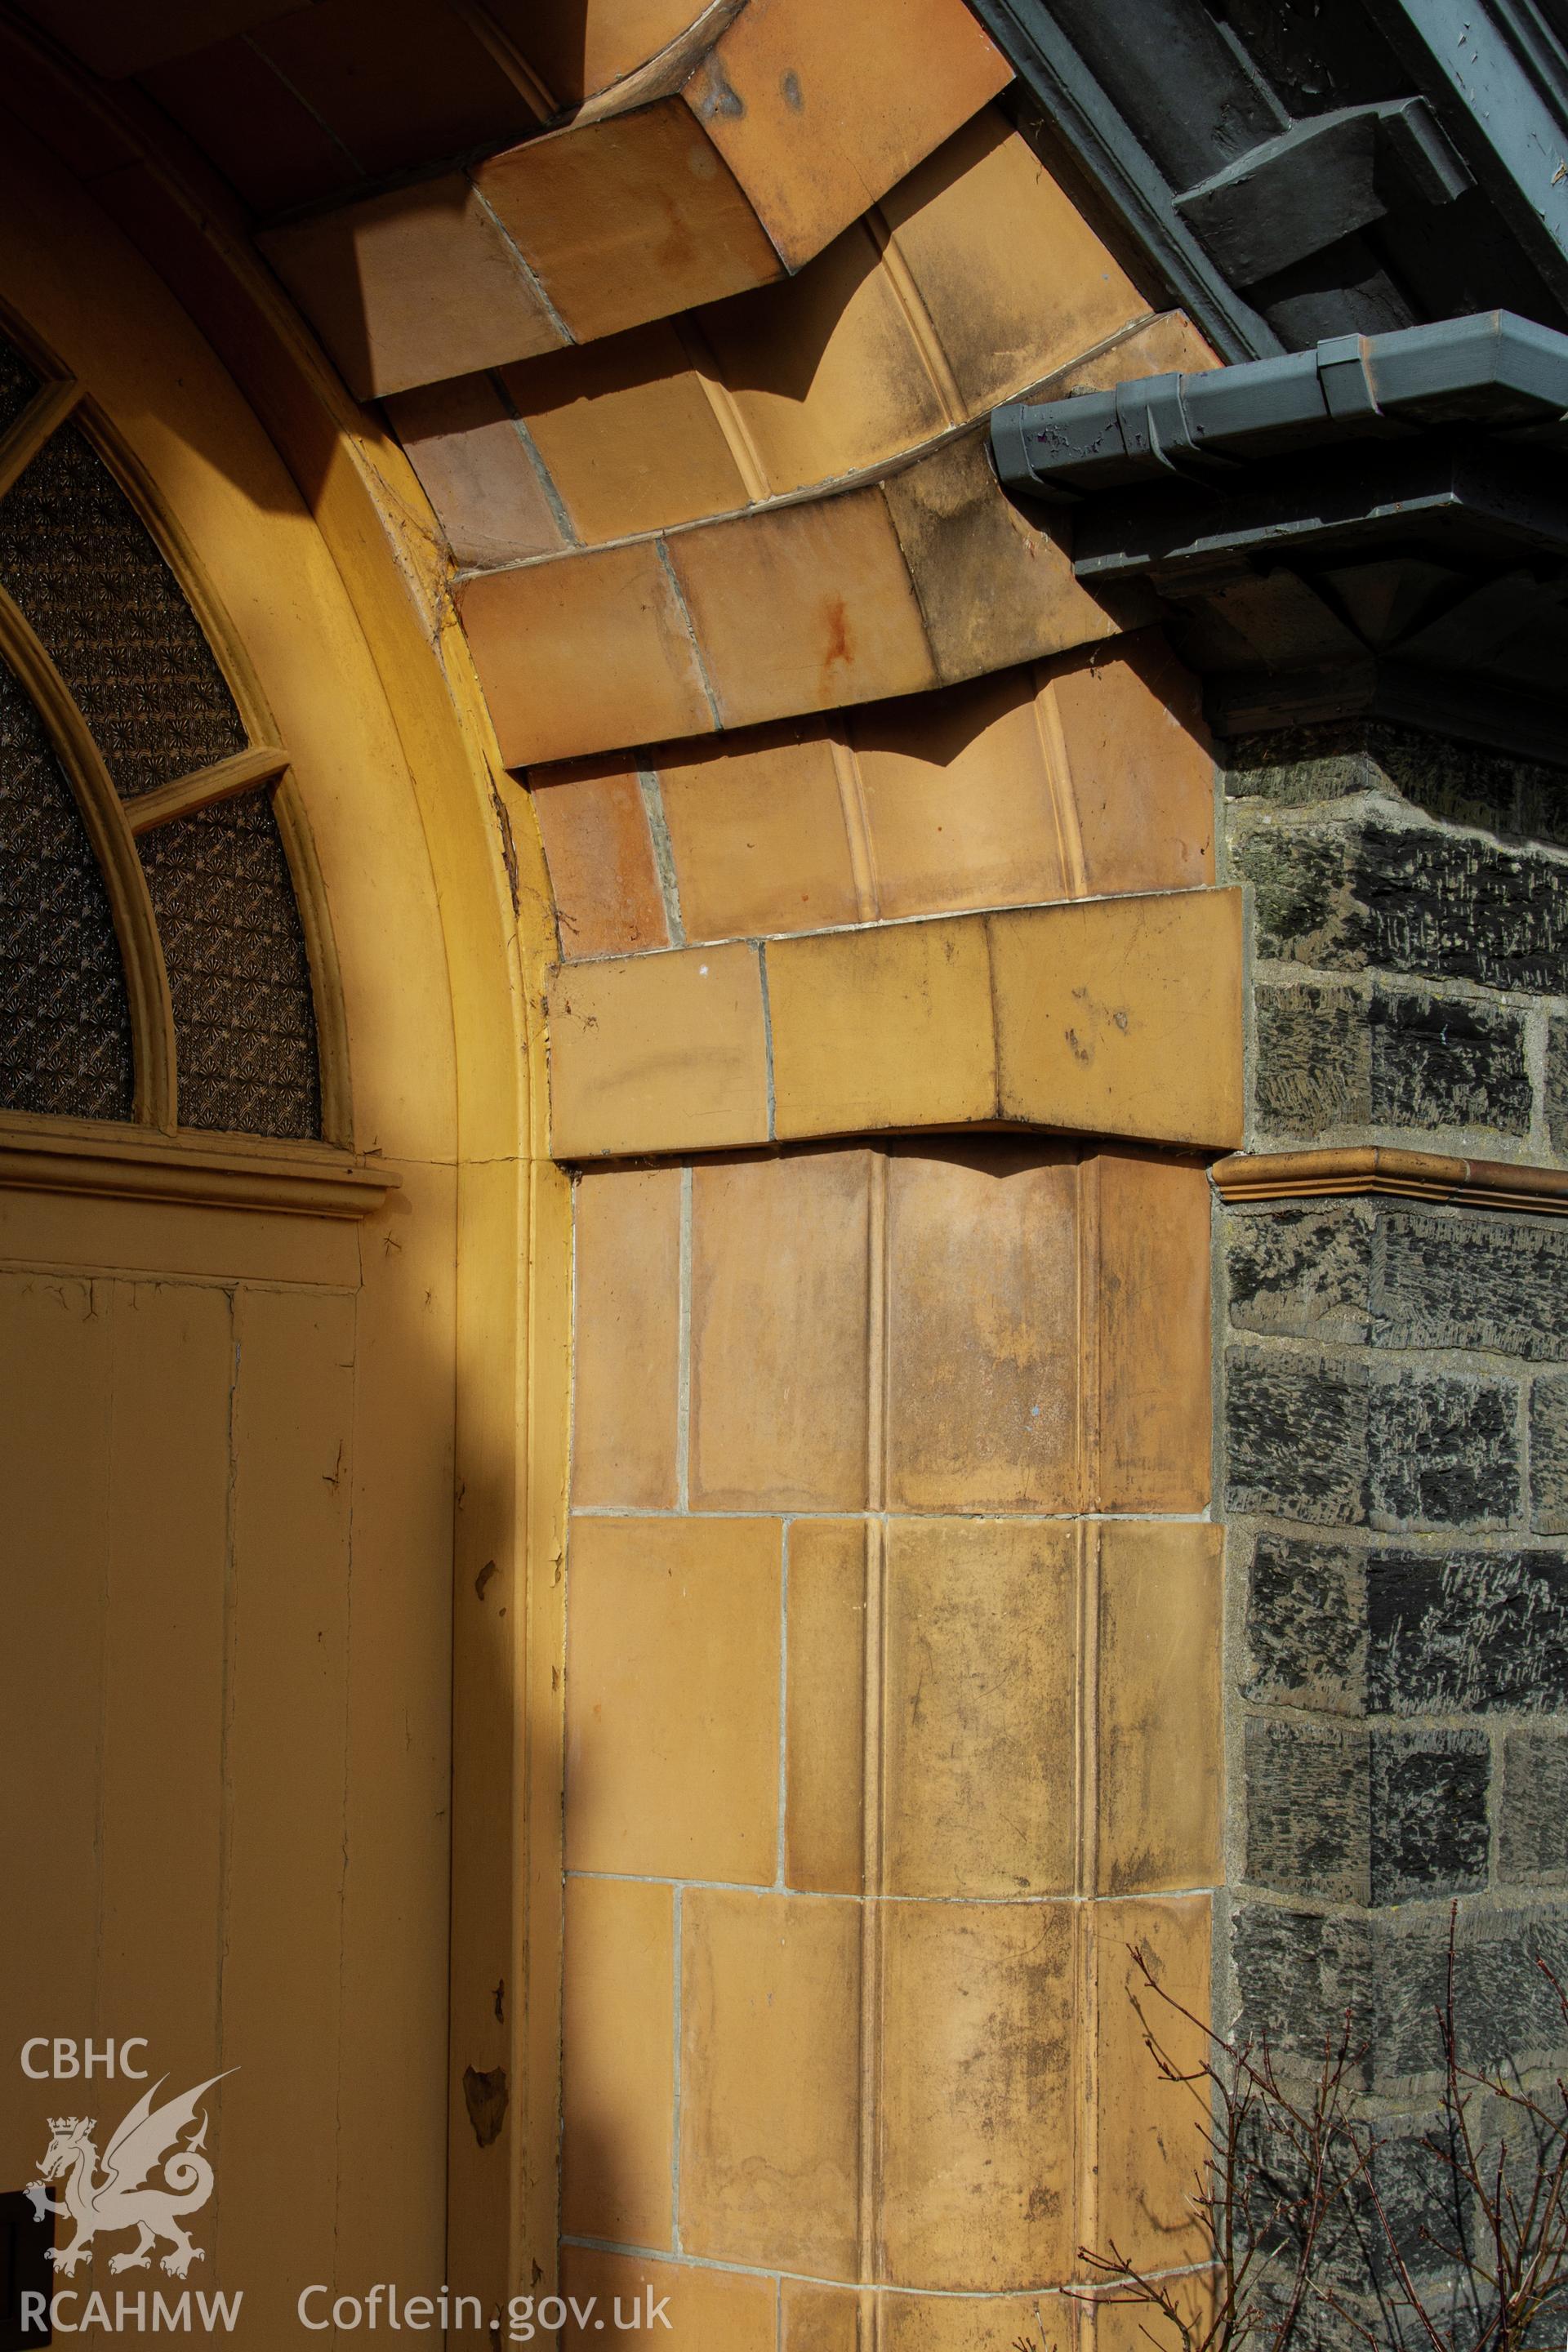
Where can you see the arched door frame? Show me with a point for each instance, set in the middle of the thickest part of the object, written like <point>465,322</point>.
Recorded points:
<point>484,869</point>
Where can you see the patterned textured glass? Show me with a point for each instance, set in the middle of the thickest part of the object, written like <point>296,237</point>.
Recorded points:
<point>65,1023</point>
<point>83,567</point>
<point>17,384</point>
<point>244,1025</point>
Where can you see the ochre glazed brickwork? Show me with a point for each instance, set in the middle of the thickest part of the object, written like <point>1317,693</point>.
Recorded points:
<point>881,1012</point>
<point>889,1479</point>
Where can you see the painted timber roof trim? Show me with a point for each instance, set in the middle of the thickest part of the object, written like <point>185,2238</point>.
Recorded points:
<point>1290,170</point>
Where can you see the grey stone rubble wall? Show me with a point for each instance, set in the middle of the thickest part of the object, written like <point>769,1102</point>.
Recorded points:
<point>1394,1444</point>
<point>1410,942</point>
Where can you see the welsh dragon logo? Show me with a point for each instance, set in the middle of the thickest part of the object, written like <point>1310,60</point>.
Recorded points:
<point>148,2139</point>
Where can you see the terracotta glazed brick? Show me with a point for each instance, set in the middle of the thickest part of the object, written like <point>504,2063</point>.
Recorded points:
<point>846,2319</point>
<point>770,2079</point>
<point>469,457</point>
<point>1146,2130</point>
<point>702,2309</point>
<point>952,2323</point>
<point>756,825</point>
<point>1015,282</point>
<point>995,587</point>
<point>981,1649</point>
<point>881,1028</point>
<point>586,653</point>
<point>1140,765</point>
<point>625,1365</point>
<point>979,2101</point>
<point>579,46</point>
<point>803,608</point>
<point>825,1828</point>
<point>825,370</point>
<point>961,799</point>
<point>1123,1017</point>
<point>449,94</point>
<point>1154,1439</point>
<point>629,434</point>
<point>395,278</point>
<point>672,1711</point>
<point>276,152</point>
<point>631,217</point>
<point>658,1053</point>
<point>1118,2327</point>
<point>1117,1017</point>
<point>599,850</point>
<point>1158,1707</point>
<point>814,108</point>
<point>984,1342</point>
<point>779,1332</point>
<point>815,2318</point>
<point>618,2039</point>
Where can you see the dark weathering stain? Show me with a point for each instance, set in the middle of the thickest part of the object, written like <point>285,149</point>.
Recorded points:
<point>508,846</point>
<point>840,643</point>
<point>718,98</point>
<point>486,2097</point>
<point>794,97</point>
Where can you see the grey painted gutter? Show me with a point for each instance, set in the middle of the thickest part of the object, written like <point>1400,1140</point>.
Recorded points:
<point>1495,372</point>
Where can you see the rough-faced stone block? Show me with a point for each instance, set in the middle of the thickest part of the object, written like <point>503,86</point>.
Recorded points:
<point>1305,914</point>
<point>1401,1276</point>
<point>1505,2008</point>
<point>1354,1816</point>
<point>1464,1633</point>
<point>1331,1059</point>
<point>1306,1271</point>
<point>1460,784</point>
<point>1444,1452</point>
<point>1532,1811</point>
<point>1408,898</point>
<point>1450,1278</point>
<point>1549,1455</point>
<point>1348,1632</point>
<point>1307,1807</point>
<point>1297,1429</point>
<point>1440,1061</point>
<point>1428,1813</point>
<point>1328,1441</point>
<point>1299,1973</point>
<point>1313,1060</point>
<point>1306,1624</point>
<point>1557,1087</point>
